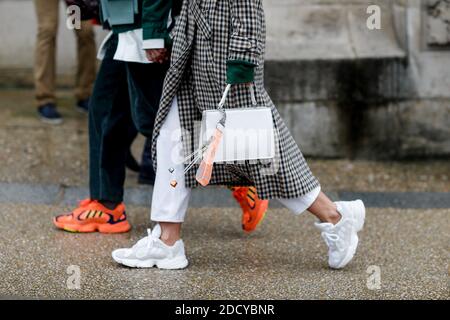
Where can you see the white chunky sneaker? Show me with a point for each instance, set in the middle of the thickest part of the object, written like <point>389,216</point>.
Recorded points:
<point>342,238</point>
<point>151,251</point>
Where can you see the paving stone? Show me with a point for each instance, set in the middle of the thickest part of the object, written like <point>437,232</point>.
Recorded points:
<point>31,194</point>
<point>284,259</point>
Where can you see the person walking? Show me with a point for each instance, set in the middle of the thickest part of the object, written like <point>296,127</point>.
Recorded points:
<point>218,43</point>
<point>47,12</point>
<point>127,91</point>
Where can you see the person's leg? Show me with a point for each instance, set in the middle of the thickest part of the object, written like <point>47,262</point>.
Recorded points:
<point>45,51</point>
<point>131,162</point>
<point>301,204</point>
<point>317,203</point>
<point>339,223</point>
<point>109,126</point>
<point>87,63</point>
<point>325,209</point>
<point>45,60</point>
<point>145,82</point>
<point>109,140</point>
<point>169,204</point>
<point>163,246</point>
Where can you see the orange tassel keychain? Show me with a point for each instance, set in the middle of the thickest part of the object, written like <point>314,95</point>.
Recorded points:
<point>204,172</point>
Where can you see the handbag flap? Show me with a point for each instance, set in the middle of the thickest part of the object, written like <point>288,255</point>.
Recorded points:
<point>248,133</point>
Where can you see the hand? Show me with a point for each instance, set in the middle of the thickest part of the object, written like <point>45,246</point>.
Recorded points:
<point>157,55</point>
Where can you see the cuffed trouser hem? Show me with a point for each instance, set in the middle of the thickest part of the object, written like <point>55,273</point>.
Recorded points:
<point>166,220</point>
<point>109,198</point>
<point>301,204</point>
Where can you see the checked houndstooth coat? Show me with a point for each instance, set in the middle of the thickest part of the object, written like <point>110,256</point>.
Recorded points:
<point>206,35</point>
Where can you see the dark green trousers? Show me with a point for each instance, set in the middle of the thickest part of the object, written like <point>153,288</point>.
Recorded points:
<point>125,100</point>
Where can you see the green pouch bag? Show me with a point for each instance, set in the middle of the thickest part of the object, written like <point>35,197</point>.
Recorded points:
<point>119,12</point>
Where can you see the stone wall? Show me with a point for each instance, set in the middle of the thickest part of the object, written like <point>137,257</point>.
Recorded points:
<point>438,23</point>
<point>350,91</point>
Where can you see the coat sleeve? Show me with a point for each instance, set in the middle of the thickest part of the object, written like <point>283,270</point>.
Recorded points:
<point>244,49</point>
<point>155,14</point>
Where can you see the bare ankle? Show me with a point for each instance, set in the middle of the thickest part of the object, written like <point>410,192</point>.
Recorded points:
<point>332,216</point>
<point>170,235</point>
<point>169,240</point>
<point>170,232</point>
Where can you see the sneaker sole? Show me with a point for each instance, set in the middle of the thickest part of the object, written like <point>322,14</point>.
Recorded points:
<point>121,227</point>
<point>167,264</point>
<point>51,121</point>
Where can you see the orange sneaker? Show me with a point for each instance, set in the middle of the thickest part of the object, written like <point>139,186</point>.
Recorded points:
<point>253,208</point>
<point>91,216</point>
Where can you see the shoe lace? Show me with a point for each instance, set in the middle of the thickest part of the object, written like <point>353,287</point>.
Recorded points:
<point>148,241</point>
<point>332,240</point>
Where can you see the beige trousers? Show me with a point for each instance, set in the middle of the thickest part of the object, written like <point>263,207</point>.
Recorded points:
<point>45,54</point>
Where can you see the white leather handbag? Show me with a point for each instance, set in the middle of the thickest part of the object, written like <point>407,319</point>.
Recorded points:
<point>248,133</point>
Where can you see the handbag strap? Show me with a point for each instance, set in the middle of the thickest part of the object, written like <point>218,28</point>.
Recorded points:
<point>224,96</point>
<point>227,90</point>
